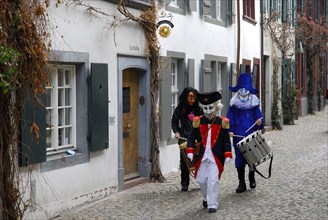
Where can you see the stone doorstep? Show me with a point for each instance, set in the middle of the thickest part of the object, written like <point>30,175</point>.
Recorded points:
<point>134,182</point>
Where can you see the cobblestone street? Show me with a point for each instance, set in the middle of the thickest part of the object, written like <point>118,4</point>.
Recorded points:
<point>297,189</point>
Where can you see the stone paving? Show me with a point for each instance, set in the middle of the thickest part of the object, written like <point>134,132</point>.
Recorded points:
<point>297,189</point>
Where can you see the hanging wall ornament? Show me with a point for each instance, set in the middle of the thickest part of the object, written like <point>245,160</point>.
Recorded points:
<point>165,26</point>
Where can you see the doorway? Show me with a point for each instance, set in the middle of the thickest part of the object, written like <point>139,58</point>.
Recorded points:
<point>134,77</point>
<point>130,87</point>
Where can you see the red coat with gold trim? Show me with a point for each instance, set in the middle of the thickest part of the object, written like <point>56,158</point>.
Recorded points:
<point>220,141</point>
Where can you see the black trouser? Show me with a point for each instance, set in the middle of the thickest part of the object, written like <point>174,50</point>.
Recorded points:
<point>185,178</point>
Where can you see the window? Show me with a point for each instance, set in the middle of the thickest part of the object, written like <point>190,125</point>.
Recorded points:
<point>173,80</point>
<point>288,11</point>
<point>73,109</point>
<point>249,8</point>
<point>301,6</point>
<point>211,75</point>
<point>177,6</point>
<point>61,107</point>
<point>138,4</point>
<point>266,7</point>
<point>174,3</point>
<point>309,9</point>
<point>316,11</point>
<point>174,85</point>
<point>217,12</point>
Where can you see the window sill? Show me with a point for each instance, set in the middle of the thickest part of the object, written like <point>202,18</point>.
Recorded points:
<point>175,10</point>
<point>249,19</point>
<point>137,4</point>
<point>215,21</point>
<point>63,160</point>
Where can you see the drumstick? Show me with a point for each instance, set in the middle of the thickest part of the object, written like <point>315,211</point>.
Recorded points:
<point>183,138</point>
<point>238,136</point>
<point>253,125</point>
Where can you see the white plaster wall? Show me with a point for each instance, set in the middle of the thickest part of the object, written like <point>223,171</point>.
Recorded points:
<point>74,29</point>
<point>250,35</point>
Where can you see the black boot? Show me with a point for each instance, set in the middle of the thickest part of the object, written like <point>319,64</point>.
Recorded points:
<point>241,176</point>
<point>251,176</point>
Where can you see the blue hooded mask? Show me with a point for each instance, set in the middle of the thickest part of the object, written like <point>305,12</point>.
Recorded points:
<point>244,81</point>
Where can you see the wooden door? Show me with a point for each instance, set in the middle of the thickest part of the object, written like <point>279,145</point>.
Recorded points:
<point>130,123</point>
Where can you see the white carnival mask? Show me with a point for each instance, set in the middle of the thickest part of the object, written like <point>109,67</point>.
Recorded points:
<point>211,110</point>
<point>243,94</point>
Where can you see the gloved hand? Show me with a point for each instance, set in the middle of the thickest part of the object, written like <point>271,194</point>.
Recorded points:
<point>190,156</point>
<point>258,122</point>
<point>227,160</point>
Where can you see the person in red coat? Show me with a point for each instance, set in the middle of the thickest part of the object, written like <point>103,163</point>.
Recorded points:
<point>209,147</point>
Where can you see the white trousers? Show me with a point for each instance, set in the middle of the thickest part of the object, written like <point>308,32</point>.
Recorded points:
<point>208,180</point>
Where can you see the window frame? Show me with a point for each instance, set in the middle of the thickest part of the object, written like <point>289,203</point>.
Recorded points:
<point>81,62</point>
<point>55,108</point>
<point>249,11</point>
<point>174,84</point>
<point>137,4</point>
<point>177,7</point>
<point>208,8</point>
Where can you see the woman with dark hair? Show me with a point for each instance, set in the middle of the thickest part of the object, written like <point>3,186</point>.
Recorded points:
<point>181,122</point>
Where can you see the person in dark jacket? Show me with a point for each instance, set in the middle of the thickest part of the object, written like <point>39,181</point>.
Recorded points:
<point>181,122</point>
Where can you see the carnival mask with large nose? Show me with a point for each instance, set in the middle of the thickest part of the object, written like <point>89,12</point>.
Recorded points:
<point>243,94</point>
<point>211,110</point>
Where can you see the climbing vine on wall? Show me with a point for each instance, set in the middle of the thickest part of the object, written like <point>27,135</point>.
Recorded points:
<point>147,21</point>
<point>282,34</point>
<point>314,39</point>
<point>23,55</point>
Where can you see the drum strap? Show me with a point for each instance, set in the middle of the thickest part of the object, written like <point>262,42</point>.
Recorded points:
<point>270,166</point>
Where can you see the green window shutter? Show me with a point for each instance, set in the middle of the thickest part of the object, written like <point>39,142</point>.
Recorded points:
<point>242,68</point>
<point>224,10</point>
<point>165,100</point>
<point>31,151</point>
<point>206,76</point>
<point>230,17</point>
<point>181,4</point>
<point>284,10</point>
<point>98,130</point>
<point>192,5</point>
<point>191,73</point>
<point>285,69</point>
<point>254,76</point>
<point>233,74</point>
<point>206,7</point>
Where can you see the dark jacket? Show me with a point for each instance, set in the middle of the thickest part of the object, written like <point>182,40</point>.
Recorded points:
<point>180,121</point>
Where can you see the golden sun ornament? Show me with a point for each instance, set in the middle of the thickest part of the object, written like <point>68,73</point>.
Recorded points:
<point>164,31</point>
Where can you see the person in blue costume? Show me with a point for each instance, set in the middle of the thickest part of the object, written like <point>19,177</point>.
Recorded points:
<point>245,117</point>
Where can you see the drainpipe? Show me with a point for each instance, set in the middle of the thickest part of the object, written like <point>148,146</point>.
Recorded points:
<point>238,35</point>
<point>262,55</point>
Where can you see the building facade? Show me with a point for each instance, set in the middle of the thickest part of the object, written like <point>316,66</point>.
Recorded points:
<point>96,116</point>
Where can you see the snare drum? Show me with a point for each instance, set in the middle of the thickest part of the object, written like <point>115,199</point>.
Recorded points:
<point>255,149</point>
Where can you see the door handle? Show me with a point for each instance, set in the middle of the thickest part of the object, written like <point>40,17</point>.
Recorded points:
<point>128,126</point>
